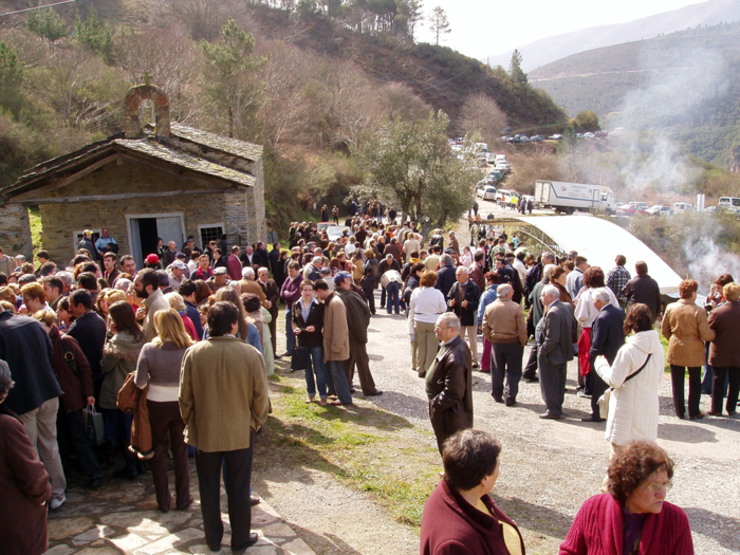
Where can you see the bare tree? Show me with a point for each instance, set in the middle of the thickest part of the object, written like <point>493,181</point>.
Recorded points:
<point>168,60</point>
<point>482,114</point>
<point>202,18</point>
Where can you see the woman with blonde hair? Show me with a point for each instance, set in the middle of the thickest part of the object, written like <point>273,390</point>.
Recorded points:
<point>159,366</point>
<point>106,298</point>
<point>178,303</point>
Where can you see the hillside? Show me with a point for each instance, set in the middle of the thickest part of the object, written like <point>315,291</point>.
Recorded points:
<point>544,51</point>
<point>440,76</point>
<point>683,84</point>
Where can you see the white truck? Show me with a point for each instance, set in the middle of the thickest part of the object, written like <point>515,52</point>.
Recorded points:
<point>569,197</point>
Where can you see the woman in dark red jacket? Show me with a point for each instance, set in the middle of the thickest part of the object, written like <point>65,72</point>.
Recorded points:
<point>633,518</point>
<point>460,518</point>
<point>23,482</point>
<point>75,378</point>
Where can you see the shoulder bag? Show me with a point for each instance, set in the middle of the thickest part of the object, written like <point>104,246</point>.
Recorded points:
<point>603,401</point>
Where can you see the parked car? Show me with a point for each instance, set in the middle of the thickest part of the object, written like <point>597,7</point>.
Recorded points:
<point>487,192</point>
<point>334,232</point>
<point>632,208</point>
<point>659,210</point>
<point>537,138</point>
<point>555,137</point>
<point>711,209</point>
<point>601,134</point>
<point>589,135</point>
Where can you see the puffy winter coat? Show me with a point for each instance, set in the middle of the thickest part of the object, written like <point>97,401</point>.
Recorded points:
<point>634,406</point>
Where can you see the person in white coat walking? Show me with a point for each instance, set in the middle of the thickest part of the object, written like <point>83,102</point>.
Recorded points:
<point>635,377</point>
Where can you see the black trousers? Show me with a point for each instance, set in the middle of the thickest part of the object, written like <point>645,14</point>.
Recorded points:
<point>678,374</point>
<point>71,435</point>
<point>238,465</point>
<point>552,385</point>
<point>358,357</point>
<point>597,386</point>
<point>530,370</point>
<point>506,362</point>
<point>718,389</point>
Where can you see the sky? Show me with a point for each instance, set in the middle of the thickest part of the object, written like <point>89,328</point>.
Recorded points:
<point>481,28</point>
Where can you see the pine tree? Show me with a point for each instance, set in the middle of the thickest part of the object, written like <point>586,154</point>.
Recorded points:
<point>516,73</point>
<point>439,23</point>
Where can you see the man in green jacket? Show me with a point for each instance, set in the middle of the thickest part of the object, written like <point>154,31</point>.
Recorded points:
<point>223,401</point>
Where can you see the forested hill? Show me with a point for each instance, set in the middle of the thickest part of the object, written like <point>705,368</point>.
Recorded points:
<point>442,77</point>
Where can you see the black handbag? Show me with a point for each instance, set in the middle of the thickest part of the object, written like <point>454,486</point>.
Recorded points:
<point>299,360</point>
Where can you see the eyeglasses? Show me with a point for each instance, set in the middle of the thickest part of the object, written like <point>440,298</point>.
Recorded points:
<point>655,487</point>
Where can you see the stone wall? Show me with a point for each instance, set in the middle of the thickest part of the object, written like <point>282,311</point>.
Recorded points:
<point>59,221</point>
<point>15,231</point>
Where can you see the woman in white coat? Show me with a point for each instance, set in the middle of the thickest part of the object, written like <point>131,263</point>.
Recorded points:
<point>634,405</point>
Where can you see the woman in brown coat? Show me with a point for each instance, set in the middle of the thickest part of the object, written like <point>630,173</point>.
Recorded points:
<point>23,482</point>
<point>724,352</point>
<point>686,328</point>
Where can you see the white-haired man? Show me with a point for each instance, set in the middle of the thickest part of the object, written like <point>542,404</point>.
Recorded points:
<point>449,382</point>
<point>249,284</point>
<point>506,329</point>
<point>555,350</point>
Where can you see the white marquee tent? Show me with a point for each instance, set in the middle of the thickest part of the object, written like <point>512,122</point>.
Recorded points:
<point>600,241</point>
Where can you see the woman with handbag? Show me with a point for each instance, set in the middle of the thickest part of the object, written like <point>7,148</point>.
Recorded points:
<point>635,377</point>
<point>308,321</point>
<point>121,351</point>
<point>159,366</point>
<point>75,378</point>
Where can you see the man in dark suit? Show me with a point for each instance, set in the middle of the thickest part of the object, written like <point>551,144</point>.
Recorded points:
<point>607,336</point>
<point>89,330</point>
<point>272,295</point>
<point>449,382</point>
<point>463,299</point>
<point>643,289</point>
<point>555,350</point>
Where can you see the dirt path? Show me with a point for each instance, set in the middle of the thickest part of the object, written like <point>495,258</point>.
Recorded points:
<point>548,468</point>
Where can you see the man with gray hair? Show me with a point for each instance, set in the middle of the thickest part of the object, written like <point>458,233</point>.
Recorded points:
<point>607,337</point>
<point>249,285</point>
<point>555,349</point>
<point>449,381</point>
<point>505,328</point>
<point>463,300</point>
<point>536,313</point>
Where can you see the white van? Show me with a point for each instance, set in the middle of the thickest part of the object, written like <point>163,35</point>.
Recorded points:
<point>729,204</point>
<point>679,207</point>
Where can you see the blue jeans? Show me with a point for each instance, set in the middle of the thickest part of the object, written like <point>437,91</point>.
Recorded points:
<point>341,385</point>
<point>316,365</point>
<point>392,292</point>
<point>289,335</point>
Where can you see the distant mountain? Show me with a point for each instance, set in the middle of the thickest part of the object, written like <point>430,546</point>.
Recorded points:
<point>548,50</point>
<point>684,85</point>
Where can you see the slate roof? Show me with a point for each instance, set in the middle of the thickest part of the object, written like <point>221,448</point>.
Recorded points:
<point>168,151</point>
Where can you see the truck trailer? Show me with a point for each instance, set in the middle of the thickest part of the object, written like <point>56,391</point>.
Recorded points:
<point>569,197</point>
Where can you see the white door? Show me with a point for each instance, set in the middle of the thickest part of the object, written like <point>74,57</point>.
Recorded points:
<point>170,229</point>
<point>135,246</point>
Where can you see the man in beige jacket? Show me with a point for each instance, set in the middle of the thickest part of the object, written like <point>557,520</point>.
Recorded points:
<point>223,401</point>
<point>506,329</point>
<point>336,341</point>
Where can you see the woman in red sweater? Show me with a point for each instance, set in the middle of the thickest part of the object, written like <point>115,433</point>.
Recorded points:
<point>460,518</point>
<point>633,518</point>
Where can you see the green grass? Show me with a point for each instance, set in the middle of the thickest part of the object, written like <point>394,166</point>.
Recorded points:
<point>35,220</point>
<point>361,447</point>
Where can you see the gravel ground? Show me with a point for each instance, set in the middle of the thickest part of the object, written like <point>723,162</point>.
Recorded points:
<point>548,468</point>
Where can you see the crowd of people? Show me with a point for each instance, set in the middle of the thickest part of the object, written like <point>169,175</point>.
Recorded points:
<point>175,357</point>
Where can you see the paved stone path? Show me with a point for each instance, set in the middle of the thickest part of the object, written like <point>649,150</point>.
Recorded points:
<point>121,517</point>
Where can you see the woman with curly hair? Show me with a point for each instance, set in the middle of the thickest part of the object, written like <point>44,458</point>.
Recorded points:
<point>635,377</point>
<point>633,517</point>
